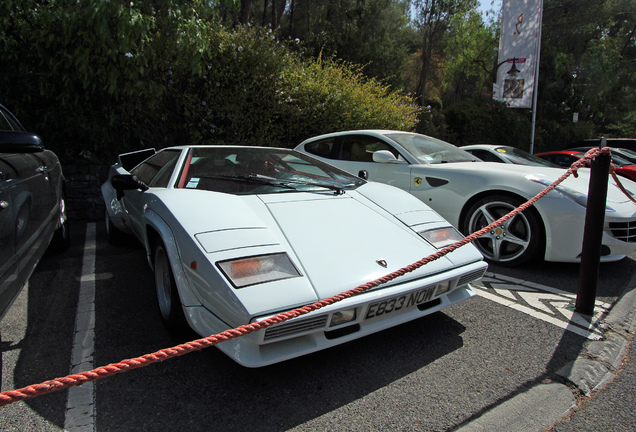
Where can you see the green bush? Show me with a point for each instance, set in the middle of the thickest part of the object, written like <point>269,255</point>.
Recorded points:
<point>482,120</point>
<point>97,78</point>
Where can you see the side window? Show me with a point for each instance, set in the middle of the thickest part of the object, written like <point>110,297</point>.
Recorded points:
<point>160,165</point>
<point>360,148</point>
<point>486,156</point>
<point>322,148</point>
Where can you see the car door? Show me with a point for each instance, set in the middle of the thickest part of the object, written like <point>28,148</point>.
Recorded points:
<point>24,203</point>
<point>154,172</point>
<point>354,154</point>
<point>8,259</point>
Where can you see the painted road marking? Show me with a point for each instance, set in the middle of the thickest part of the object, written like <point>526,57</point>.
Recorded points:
<point>548,304</point>
<point>80,404</point>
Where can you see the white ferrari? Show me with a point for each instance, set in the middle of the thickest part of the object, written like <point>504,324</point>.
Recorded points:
<point>239,234</point>
<point>471,194</point>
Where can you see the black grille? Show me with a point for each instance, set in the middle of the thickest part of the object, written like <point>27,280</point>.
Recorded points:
<point>296,326</point>
<point>471,277</point>
<point>624,231</point>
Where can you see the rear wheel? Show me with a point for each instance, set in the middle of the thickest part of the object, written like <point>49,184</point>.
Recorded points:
<point>515,241</point>
<point>168,299</point>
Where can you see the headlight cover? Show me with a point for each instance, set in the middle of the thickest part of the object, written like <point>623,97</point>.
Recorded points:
<point>571,194</point>
<point>441,237</point>
<point>258,269</point>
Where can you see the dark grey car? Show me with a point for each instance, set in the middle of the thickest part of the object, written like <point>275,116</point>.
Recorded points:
<point>32,207</point>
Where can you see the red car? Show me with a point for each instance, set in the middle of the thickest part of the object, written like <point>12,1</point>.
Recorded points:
<point>565,158</point>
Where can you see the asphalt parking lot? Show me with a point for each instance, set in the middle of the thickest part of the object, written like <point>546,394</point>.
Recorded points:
<point>435,374</point>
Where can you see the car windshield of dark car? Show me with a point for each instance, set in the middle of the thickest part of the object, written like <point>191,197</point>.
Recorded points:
<point>620,161</point>
<point>250,170</point>
<point>520,157</point>
<point>431,150</point>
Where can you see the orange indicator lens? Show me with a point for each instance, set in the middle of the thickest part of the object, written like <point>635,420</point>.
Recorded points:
<point>245,268</point>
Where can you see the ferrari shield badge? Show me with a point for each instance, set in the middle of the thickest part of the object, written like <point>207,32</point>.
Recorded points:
<point>418,181</point>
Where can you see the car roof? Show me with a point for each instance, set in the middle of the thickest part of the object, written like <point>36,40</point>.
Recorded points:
<point>382,132</point>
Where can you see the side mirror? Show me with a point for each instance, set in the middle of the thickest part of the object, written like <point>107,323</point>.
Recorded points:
<point>20,142</point>
<point>384,156</point>
<point>122,182</point>
<point>364,174</point>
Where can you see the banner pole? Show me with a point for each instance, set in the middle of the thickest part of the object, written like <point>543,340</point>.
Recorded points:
<point>536,78</point>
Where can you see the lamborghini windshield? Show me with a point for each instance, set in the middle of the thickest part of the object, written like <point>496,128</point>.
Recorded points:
<point>255,170</point>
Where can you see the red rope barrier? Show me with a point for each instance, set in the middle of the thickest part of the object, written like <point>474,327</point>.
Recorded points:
<point>56,384</point>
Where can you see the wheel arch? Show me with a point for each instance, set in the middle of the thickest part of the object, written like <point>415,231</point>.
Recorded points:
<point>157,230</point>
<point>501,192</point>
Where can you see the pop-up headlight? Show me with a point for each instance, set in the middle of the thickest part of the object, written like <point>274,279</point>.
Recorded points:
<point>441,237</point>
<point>258,269</point>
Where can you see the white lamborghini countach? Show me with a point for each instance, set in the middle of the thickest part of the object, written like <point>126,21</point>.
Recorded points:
<point>239,234</point>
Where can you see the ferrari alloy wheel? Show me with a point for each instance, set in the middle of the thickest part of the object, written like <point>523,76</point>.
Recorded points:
<point>517,240</point>
<point>167,294</point>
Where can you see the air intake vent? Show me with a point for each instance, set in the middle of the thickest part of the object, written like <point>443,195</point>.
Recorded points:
<point>624,231</point>
<point>295,326</point>
<point>471,277</point>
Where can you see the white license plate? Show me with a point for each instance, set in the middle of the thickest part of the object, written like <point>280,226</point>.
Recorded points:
<point>397,303</point>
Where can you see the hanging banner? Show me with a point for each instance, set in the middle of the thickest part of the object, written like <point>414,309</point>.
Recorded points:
<point>518,52</point>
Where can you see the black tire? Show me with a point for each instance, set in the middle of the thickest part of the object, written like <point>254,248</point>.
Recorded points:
<point>168,301</point>
<point>62,236</point>
<point>518,240</point>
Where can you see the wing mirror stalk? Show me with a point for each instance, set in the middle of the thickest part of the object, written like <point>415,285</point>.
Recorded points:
<point>122,182</point>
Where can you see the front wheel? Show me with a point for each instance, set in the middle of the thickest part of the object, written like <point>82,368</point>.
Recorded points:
<point>516,241</point>
<point>168,299</point>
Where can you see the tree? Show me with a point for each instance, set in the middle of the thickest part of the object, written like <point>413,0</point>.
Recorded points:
<point>470,48</point>
<point>587,67</point>
<point>433,19</point>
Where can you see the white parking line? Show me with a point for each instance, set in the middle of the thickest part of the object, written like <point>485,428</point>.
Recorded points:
<point>80,404</point>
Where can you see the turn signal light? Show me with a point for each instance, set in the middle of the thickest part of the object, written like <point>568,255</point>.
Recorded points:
<point>247,267</point>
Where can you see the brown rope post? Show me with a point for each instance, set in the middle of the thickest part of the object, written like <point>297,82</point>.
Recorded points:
<point>593,234</point>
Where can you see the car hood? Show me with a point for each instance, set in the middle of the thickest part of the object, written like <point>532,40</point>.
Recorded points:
<point>342,242</point>
<point>337,242</point>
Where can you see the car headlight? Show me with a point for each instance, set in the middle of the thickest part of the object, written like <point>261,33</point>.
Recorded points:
<point>441,237</point>
<point>258,269</point>
<point>578,197</point>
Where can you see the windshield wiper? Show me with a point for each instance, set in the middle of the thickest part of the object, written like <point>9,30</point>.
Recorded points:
<point>278,182</point>
<point>252,178</point>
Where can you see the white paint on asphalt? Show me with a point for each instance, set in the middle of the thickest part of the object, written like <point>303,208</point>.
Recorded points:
<point>548,304</point>
<point>80,404</point>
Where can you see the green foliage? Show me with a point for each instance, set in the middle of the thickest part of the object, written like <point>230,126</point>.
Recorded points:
<point>482,120</point>
<point>469,50</point>
<point>326,96</point>
<point>106,77</point>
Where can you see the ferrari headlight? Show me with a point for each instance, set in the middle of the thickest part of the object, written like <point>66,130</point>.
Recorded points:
<point>578,197</point>
<point>441,237</point>
<point>258,269</point>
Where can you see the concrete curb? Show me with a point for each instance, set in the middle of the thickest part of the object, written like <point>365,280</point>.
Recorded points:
<point>599,362</point>
<point>597,365</point>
